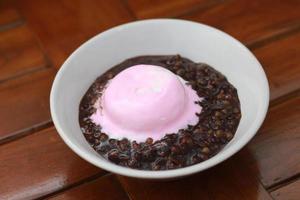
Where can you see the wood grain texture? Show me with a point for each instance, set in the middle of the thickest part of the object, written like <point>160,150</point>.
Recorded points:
<point>63,25</point>
<point>251,21</point>
<point>288,192</point>
<point>19,52</point>
<point>8,16</point>
<point>39,164</point>
<point>281,61</point>
<point>104,188</point>
<point>275,150</point>
<point>161,8</point>
<point>24,102</point>
<point>226,181</point>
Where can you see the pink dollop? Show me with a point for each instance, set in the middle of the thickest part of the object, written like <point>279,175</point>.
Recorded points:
<point>146,101</point>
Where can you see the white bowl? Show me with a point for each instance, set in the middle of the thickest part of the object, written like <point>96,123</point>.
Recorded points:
<point>195,41</point>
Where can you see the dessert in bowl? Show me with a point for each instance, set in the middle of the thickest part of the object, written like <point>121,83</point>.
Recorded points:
<point>159,113</point>
<point>126,112</point>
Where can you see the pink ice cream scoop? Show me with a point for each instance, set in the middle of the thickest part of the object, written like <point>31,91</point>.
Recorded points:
<point>146,101</point>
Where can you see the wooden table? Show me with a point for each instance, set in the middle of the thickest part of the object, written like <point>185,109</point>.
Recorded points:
<point>37,36</point>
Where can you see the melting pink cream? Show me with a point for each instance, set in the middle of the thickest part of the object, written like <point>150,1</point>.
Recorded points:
<point>146,101</point>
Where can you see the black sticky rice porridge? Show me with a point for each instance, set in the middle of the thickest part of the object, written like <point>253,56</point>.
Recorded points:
<point>217,124</point>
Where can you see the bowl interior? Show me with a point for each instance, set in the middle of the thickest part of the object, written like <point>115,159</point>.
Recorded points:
<point>197,42</point>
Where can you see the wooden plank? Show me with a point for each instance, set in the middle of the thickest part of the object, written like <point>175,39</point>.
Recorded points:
<point>39,164</point>
<point>275,151</point>
<point>229,180</point>
<point>288,192</point>
<point>62,25</point>
<point>103,188</point>
<point>160,8</point>
<point>24,102</point>
<point>19,53</point>
<point>8,16</point>
<point>251,21</point>
<point>280,60</point>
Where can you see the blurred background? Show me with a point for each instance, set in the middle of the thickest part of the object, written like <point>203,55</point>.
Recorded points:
<point>36,36</point>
